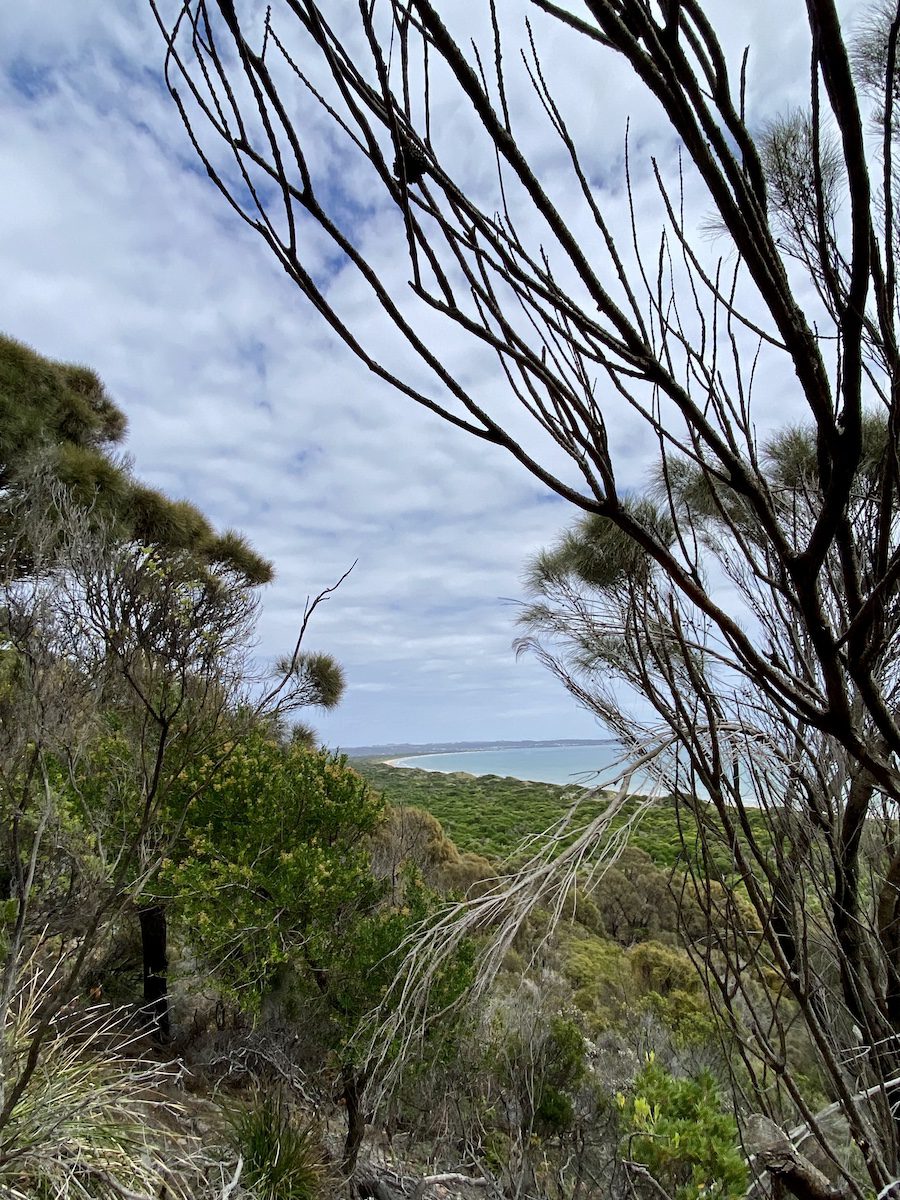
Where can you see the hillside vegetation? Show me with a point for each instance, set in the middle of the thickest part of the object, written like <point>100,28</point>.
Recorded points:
<point>493,815</point>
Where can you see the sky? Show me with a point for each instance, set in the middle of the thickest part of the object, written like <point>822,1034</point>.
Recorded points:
<point>116,251</point>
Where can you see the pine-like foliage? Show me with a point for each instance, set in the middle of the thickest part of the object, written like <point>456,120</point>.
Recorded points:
<point>58,418</point>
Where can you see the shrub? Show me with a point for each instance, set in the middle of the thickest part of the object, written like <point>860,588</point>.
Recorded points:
<point>679,1130</point>
<point>662,969</point>
<point>563,1070</point>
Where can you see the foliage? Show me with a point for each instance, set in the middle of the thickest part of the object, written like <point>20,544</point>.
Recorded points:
<point>662,969</point>
<point>554,1106</point>
<point>275,889</point>
<point>282,1159</point>
<point>741,627</point>
<point>59,419</point>
<point>120,663</point>
<point>519,1097</point>
<point>491,815</point>
<point>636,900</point>
<point>485,814</point>
<point>123,666</point>
<point>613,986</point>
<point>275,855</point>
<point>678,1128</point>
<point>61,403</point>
<point>600,554</point>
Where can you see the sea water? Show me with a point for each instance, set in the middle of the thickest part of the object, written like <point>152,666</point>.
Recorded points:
<point>585,765</point>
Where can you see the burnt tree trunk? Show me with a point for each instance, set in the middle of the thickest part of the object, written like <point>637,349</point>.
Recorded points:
<point>154,945</point>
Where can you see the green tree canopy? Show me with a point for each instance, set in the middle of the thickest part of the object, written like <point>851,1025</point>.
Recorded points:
<point>59,416</point>
<point>275,856</point>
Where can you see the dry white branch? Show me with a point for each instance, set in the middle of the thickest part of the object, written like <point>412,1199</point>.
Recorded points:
<point>447,1177</point>
<point>545,881</point>
<point>232,1184</point>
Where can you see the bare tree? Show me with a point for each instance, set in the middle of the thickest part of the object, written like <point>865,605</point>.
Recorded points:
<point>810,832</point>
<point>780,691</point>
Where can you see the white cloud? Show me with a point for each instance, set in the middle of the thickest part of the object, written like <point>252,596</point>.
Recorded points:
<point>117,252</point>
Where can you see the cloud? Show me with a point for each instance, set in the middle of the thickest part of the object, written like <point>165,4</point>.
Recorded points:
<point>119,253</point>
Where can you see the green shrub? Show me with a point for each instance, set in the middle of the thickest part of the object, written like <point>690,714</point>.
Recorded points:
<point>564,1069</point>
<point>680,1132</point>
<point>598,971</point>
<point>555,1111</point>
<point>686,1013</point>
<point>662,969</point>
<point>491,815</point>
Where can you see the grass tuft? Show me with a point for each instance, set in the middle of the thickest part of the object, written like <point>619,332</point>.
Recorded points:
<point>87,1123</point>
<point>282,1160</point>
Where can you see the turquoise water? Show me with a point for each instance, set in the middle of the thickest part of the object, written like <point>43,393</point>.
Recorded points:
<point>541,764</point>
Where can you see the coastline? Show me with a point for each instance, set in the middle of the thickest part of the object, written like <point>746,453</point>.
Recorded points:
<point>404,759</point>
<point>506,763</point>
<point>405,764</point>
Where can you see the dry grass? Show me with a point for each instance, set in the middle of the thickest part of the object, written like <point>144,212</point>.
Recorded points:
<point>93,1120</point>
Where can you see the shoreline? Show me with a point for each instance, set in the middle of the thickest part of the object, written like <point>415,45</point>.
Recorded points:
<point>405,763</point>
<point>405,758</point>
<point>600,778</point>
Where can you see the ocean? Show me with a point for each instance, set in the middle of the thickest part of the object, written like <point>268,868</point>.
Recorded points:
<point>540,764</point>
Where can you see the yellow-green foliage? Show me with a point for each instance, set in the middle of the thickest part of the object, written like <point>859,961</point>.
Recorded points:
<point>492,816</point>
<point>468,875</point>
<point>612,984</point>
<point>597,970</point>
<point>275,850</point>
<point>662,969</point>
<point>678,1128</point>
<point>614,979</point>
<point>669,987</point>
<point>485,814</point>
<point>275,875</point>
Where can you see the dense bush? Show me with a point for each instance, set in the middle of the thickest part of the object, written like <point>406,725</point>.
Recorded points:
<point>274,856</point>
<point>492,816</point>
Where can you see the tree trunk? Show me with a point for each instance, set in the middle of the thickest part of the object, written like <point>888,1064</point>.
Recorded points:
<point>156,967</point>
<point>353,1084</point>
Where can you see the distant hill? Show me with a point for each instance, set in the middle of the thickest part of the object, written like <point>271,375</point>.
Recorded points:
<point>407,749</point>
